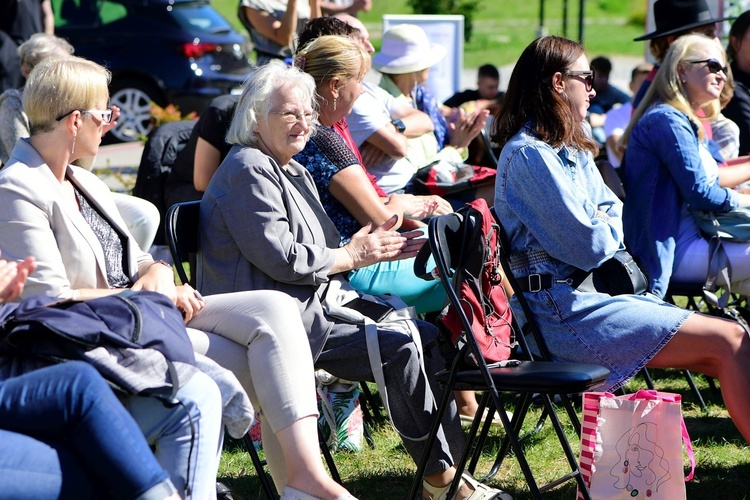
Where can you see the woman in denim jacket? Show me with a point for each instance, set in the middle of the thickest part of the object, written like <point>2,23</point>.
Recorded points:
<point>669,170</point>
<point>560,217</point>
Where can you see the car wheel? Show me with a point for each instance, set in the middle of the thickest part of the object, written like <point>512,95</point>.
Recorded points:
<point>134,98</point>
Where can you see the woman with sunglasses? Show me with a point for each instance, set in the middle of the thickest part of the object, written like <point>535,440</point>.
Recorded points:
<point>546,155</point>
<point>670,172</point>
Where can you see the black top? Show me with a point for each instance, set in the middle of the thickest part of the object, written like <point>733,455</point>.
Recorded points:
<point>738,109</point>
<point>21,18</point>
<point>211,127</point>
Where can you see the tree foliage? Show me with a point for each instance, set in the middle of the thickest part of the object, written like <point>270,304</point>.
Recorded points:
<point>466,8</point>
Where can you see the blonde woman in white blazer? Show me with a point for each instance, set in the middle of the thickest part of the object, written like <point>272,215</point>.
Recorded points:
<point>66,218</point>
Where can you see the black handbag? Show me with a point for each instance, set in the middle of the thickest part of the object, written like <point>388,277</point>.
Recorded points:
<point>620,275</point>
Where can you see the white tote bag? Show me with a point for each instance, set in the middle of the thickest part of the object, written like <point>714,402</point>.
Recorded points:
<point>631,446</point>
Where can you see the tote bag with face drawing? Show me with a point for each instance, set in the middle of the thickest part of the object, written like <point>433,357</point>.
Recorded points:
<point>631,446</point>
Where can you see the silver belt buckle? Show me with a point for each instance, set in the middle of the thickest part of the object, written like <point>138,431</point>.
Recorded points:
<point>535,282</point>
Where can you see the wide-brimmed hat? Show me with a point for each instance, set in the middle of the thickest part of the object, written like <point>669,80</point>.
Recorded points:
<point>673,16</point>
<point>406,49</point>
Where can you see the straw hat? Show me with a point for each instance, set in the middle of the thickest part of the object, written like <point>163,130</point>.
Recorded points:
<point>406,49</point>
<point>674,16</point>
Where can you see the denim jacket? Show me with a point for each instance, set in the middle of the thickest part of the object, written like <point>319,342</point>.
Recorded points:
<point>663,175</point>
<point>558,213</point>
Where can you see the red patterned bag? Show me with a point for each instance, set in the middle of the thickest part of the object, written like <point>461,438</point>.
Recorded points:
<point>478,283</point>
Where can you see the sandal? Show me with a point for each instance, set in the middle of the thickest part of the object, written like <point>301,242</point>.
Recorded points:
<point>467,420</point>
<point>481,491</point>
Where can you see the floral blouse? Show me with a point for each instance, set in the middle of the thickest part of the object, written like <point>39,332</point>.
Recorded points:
<point>324,156</point>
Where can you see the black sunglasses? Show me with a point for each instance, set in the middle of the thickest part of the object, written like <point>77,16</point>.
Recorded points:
<point>587,76</point>
<point>713,65</point>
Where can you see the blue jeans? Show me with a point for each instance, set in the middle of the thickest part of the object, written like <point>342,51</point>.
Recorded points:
<point>186,437</point>
<point>62,420</point>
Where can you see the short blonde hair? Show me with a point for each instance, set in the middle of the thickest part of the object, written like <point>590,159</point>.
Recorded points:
<point>668,86</point>
<point>255,101</point>
<point>59,85</point>
<point>39,47</point>
<point>333,56</point>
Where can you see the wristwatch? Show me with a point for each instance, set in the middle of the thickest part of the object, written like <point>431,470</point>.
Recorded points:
<point>399,124</point>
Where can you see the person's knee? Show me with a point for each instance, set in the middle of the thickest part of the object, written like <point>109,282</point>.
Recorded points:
<point>201,396</point>
<point>737,337</point>
<point>730,340</point>
<point>87,385</point>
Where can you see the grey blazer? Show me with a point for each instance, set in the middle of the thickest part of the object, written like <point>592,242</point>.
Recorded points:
<point>258,232</point>
<point>37,219</point>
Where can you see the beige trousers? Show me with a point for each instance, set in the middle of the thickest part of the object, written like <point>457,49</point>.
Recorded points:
<point>259,336</point>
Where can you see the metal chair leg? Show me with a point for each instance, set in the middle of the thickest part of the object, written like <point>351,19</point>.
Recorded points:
<point>328,458</point>
<point>263,477</point>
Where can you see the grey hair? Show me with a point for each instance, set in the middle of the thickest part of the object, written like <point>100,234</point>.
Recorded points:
<point>255,101</point>
<point>41,46</point>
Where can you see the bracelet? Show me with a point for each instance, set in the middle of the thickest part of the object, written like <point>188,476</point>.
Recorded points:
<point>162,262</point>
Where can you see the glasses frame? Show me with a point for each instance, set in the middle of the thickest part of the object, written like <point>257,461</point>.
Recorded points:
<point>286,115</point>
<point>587,76</point>
<point>105,115</point>
<point>713,65</point>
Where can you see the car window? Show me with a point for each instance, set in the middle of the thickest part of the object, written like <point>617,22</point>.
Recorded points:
<point>202,18</point>
<point>112,11</point>
<point>87,12</point>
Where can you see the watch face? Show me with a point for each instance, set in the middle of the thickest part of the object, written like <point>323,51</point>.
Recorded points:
<point>399,124</point>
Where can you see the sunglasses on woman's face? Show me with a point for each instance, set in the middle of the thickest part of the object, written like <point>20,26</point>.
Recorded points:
<point>713,65</point>
<point>586,76</point>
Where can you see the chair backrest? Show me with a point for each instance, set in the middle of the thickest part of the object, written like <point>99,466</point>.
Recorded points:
<point>485,134</point>
<point>611,178</point>
<point>460,243</point>
<point>182,237</point>
<point>531,325</point>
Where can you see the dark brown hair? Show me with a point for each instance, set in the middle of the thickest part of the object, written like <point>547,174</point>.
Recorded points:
<point>739,27</point>
<point>530,96</point>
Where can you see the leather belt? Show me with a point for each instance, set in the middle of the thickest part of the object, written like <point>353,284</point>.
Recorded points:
<point>535,282</point>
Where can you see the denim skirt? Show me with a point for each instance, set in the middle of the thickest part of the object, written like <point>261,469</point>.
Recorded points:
<point>620,332</point>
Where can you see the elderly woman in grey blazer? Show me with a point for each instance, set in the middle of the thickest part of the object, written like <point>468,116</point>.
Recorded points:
<point>263,228</point>
<point>66,218</point>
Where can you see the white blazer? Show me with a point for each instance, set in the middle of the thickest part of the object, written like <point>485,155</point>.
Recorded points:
<point>37,220</point>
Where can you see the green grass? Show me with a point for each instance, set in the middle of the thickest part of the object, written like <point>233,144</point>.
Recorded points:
<point>722,471</point>
<point>503,28</point>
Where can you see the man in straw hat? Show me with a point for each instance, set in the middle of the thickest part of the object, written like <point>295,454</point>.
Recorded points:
<point>674,18</point>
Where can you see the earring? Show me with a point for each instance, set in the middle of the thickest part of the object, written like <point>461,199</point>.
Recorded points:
<point>334,103</point>
<point>73,149</point>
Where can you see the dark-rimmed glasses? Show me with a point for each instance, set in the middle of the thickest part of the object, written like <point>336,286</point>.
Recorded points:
<point>586,76</point>
<point>713,65</point>
<point>105,115</point>
<point>292,117</point>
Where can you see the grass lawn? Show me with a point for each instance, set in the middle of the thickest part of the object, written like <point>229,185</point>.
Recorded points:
<point>503,28</point>
<point>722,471</point>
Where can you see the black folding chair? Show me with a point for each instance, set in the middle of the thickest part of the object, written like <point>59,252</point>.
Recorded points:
<point>182,237</point>
<point>183,240</point>
<point>524,377</point>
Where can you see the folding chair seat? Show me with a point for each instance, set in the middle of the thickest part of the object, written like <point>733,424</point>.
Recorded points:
<point>182,237</point>
<point>525,377</point>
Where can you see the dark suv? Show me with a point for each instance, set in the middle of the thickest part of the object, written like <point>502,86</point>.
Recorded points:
<point>166,51</point>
